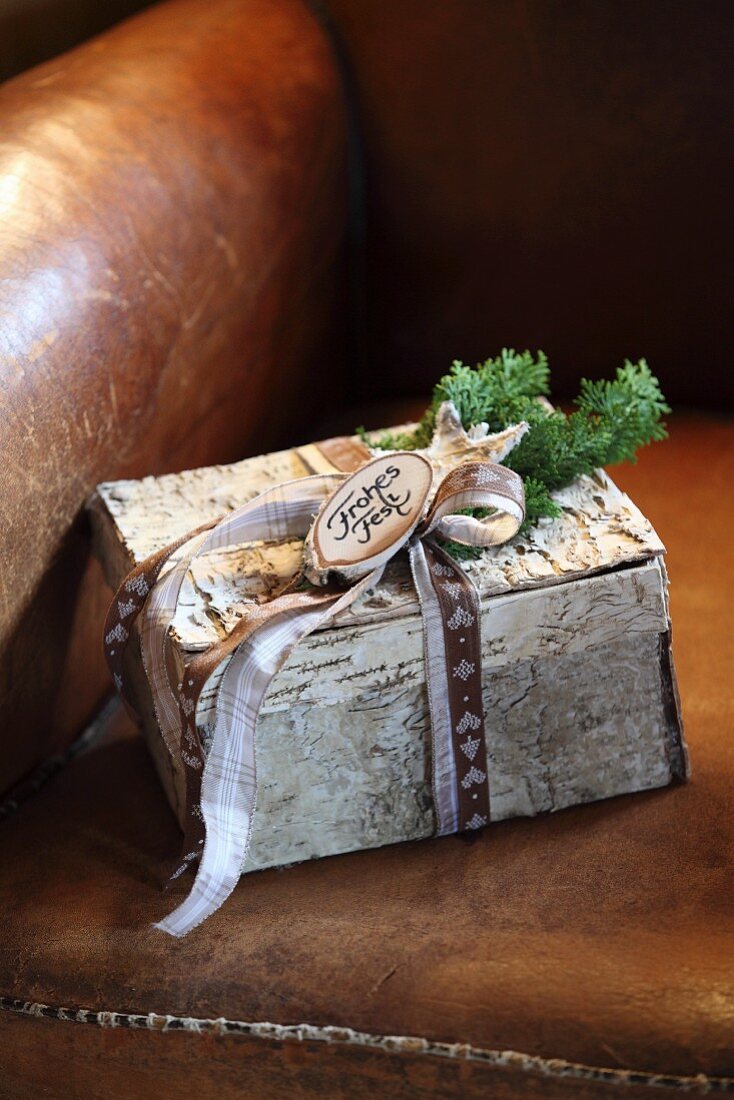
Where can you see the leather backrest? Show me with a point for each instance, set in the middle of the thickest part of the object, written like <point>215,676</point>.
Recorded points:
<point>546,175</point>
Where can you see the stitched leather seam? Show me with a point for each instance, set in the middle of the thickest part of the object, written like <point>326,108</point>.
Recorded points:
<point>388,1044</point>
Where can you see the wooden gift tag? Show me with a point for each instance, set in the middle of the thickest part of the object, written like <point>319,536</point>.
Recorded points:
<point>369,517</point>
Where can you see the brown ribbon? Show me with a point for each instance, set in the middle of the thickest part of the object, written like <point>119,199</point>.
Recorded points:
<point>461,621</point>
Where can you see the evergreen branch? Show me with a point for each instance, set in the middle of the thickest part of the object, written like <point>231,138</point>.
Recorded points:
<point>611,421</point>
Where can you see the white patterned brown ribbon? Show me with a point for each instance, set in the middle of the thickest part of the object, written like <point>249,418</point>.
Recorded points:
<point>221,783</point>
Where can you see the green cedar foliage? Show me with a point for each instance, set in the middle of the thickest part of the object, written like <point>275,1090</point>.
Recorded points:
<point>610,422</point>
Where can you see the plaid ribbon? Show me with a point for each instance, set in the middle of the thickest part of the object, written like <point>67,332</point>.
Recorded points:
<point>221,782</point>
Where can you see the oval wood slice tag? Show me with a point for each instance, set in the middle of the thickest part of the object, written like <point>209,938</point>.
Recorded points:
<point>369,517</point>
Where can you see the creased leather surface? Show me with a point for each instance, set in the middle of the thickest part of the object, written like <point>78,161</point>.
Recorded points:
<point>171,216</point>
<point>603,934</point>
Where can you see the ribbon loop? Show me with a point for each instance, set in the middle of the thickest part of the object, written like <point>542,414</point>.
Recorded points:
<point>478,485</point>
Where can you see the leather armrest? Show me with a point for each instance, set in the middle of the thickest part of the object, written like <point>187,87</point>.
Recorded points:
<point>171,218</point>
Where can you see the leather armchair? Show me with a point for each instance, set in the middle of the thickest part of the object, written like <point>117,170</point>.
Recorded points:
<point>172,198</point>
<point>182,282</point>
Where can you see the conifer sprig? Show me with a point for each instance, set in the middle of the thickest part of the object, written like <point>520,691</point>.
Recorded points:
<point>611,421</point>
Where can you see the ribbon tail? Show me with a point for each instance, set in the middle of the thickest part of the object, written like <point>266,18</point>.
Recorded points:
<point>444,779</point>
<point>229,782</point>
<point>452,646</point>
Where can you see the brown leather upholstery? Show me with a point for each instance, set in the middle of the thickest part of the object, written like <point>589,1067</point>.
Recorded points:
<point>602,935</point>
<point>172,202</point>
<point>546,175</point>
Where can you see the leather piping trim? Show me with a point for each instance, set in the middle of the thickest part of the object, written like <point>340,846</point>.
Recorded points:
<point>40,776</point>
<point>388,1044</point>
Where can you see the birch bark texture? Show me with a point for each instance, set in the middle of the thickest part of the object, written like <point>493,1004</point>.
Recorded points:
<point>578,684</point>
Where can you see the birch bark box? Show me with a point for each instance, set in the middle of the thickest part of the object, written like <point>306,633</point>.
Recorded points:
<point>578,684</point>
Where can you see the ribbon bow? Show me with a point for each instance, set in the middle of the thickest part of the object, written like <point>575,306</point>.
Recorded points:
<point>361,521</point>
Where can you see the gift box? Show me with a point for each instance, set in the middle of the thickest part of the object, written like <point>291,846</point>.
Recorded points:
<point>577,681</point>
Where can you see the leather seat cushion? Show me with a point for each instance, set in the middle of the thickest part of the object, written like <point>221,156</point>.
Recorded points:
<point>602,935</point>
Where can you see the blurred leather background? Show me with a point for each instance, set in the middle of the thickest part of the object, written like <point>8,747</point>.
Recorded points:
<point>236,224</point>
<point>32,31</point>
<point>542,175</point>
<point>546,175</point>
